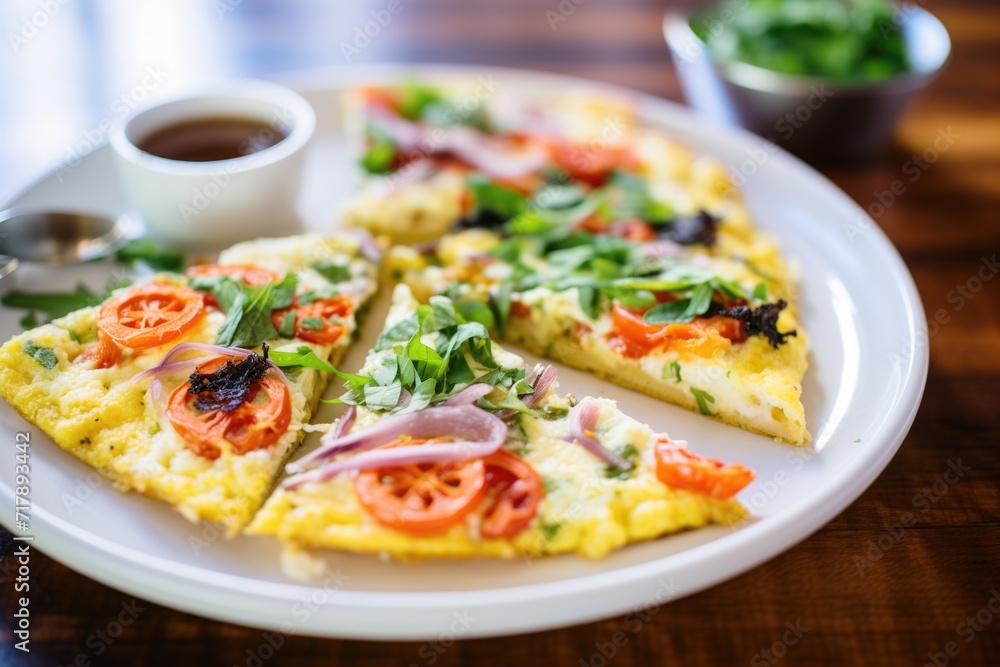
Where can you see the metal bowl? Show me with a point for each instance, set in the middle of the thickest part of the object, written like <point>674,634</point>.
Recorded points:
<point>819,119</point>
<point>35,234</point>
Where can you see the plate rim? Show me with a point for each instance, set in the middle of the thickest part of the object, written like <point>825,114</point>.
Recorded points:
<point>758,542</point>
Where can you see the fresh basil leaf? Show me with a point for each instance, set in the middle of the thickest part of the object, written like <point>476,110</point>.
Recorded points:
<point>637,299</point>
<point>407,373</point>
<point>334,269</point>
<point>438,314</point>
<point>426,360</point>
<point>248,321</point>
<point>400,332</point>
<point>760,291</point>
<point>475,311</point>
<point>382,398</point>
<point>151,253</point>
<point>45,356</point>
<point>501,306</point>
<point>459,373</point>
<point>287,328</point>
<point>683,310</point>
<point>421,397</point>
<point>556,196</point>
<point>311,323</point>
<point>386,373</point>
<point>284,292</point>
<point>315,294</point>
<point>589,299</point>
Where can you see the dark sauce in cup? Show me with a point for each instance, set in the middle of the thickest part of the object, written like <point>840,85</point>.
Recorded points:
<point>210,139</point>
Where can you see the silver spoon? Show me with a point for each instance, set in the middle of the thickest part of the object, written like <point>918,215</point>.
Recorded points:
<point>36,234</point>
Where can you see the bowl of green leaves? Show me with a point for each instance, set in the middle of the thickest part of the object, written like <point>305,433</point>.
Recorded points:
<point>826,79</point>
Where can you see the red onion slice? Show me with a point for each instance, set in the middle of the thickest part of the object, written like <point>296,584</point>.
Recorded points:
<point>468,396</point>
<point>582,423</point>
<point>345,422</point>
<point>366,243</point>
<point>477,434</point>
<point>541,385</point>
<point>490,155</point>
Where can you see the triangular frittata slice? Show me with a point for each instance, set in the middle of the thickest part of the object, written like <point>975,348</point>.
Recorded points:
<point>621,253</point>
<point>212,455</point>
<point>572,474</point>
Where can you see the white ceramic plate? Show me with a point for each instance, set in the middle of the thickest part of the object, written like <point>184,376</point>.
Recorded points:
<point>868,366</point>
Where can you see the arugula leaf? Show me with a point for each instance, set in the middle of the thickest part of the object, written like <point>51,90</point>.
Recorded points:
<point>683,310</point>
<point>45,356</point>
<point>489,196</point>
<point>151,253</point>
<point>333,269</point>
<point>589,299</point>
<point>703,398</point>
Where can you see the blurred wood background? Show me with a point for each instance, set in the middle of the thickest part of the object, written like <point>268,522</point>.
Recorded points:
<point>903,608</point>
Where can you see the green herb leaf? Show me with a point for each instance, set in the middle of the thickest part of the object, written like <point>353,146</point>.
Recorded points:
<point>151,253</point>
<point>760,291</point>
<point>248,321</point>
<point>703,398</point>
<point>311,323</point>
<point>382,398</point>
<point>333,269</point>
<point>630,454</point>
<point>386,373</point>
<point>505,202</point>
<point>57,304</point>
<point>287,328</point>
<point>683,310</point>
<point>400,332</point>
<point>672,370</point>
<point>284,292</point>
<point>45,356</point>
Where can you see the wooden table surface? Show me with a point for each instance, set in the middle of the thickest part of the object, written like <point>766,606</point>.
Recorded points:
<point>863,589</point>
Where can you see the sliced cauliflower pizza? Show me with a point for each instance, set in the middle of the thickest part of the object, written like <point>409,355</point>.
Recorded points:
<point>167,388</point>
<point>451,447</point>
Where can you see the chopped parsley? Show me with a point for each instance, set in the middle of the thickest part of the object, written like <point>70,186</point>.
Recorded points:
<point>629,453</point>
<point>45,356</point>
<point>672,370</point>
<point>703,398</point>
<point>550,530</point>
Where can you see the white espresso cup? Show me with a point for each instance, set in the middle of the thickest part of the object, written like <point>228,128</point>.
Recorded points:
<point>211,204</point>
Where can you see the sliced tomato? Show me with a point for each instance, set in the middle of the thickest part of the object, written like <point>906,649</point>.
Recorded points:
<point>633,337</point>
<point>514,492</point>
<point>150,315</point>
<point>589,163</point>
<point>678,468</point>
<point>105,353</point>
<point>256,424</point>
<point>519,309</point>
<point>319,321</point>
<point>423,498</point>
